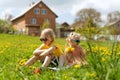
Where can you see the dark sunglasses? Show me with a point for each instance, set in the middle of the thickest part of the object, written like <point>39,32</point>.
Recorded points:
<point>43,39</point>
<point>74,40</point>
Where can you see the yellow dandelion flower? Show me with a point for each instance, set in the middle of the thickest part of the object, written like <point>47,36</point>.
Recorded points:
<point>30,67</point>
<point>69,50</point>
<point>77,66</point>
<point>92,74</point>
<point>103,59</point>
<point>118,53</point>
<point>65,77</point>
<point>22,62</point>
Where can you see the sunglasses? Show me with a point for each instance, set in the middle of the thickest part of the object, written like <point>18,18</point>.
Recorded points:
<point>74,40</point>
<point>43,39</point>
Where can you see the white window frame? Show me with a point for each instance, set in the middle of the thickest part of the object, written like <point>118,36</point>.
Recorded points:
<point>44,11</point>
<point>37,11</point>
<point>33,21</point>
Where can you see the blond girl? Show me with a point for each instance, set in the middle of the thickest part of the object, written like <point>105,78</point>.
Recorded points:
<point>47,50</point>
<point>74,52</point>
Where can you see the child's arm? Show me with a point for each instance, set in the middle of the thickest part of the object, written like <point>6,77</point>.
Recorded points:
<point>82,54</point>
<point>48,51</point>
<point>38,51</point>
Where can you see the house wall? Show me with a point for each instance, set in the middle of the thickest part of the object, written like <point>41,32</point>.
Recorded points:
<point>40,17</point>
<point>34,31</point>
<point>19,24</point>
<point>24,22</point>
<point>117,27</point>
<point>64,32</point>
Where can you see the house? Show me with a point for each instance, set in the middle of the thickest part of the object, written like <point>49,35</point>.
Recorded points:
<point>115,26</point>
<point>63,30</point>
<point>65,24</point>
<point>31,21</point>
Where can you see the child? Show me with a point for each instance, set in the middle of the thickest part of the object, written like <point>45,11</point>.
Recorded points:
<point>74,52</point>
<point>47,50</point>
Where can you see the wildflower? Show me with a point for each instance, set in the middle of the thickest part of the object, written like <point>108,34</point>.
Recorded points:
<point>65,77</point>
<point>77,66</point>
<point>69,50</point>
<point>103,59</point>
<point>30,67</point>
<point>92,74</point>
<point>22,62</point>
<point>118,53</point>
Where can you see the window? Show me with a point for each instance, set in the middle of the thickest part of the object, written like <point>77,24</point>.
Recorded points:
<point>37,11</point>
<point>33,21</point>
<point>44,11</point>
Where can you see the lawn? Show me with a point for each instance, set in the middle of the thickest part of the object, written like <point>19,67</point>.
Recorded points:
<point>15,50</point>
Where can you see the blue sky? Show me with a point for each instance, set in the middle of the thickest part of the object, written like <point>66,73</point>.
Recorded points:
<point>65,9</point>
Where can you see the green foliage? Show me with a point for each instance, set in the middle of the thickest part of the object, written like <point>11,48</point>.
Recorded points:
<point>46,24</point>
<point>90,29</point>
<point>106,67</point>
<point>5,27</point>
<point>113,30</point>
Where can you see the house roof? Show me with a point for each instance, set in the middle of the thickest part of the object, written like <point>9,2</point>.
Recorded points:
<point>112,23</point>
<point>22,14</point>
<point>65,24</point>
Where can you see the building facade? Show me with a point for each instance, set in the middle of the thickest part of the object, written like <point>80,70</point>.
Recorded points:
<point>31,21</point>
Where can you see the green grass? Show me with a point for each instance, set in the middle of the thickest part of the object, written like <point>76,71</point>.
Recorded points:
<point>103,60</point>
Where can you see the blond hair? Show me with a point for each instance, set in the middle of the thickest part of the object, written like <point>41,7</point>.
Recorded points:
<point>48,33</point>
<point>74,35</point>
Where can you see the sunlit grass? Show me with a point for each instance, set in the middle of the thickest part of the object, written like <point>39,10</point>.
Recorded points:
<point>15,50</point>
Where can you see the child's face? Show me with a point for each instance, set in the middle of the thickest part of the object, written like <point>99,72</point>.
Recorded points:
<point>46,41</point>
<point>73,42</point>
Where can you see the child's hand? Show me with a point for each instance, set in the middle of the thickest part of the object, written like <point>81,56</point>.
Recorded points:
<point>69,50</point>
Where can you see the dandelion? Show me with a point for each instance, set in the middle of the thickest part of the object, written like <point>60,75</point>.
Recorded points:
<point>77,66</point>
<point>30,67</point>
<point>22,62</point>
<point>103,59</point>
<point>118,53</point>
<point>69,50</point>
<point>93,74</point>
<point>65,77</point>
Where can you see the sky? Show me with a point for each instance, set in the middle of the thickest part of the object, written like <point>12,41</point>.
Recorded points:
<point>65,9</point>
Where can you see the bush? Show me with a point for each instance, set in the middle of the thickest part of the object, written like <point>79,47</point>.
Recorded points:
<point>5,27</point>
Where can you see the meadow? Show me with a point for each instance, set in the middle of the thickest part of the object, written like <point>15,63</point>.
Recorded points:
<point>15,50</point>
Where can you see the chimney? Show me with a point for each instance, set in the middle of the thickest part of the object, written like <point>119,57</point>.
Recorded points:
<point>31,3</point>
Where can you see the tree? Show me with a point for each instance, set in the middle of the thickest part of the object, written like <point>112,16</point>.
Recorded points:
<point>46,24</point>
<point>90,29</point>
<point>113,16</point>
<point>8,17</point>
<point>5,27</point>
<point>87,13</point>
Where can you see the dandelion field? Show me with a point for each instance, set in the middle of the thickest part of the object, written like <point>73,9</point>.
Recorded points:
<point>15,50</point>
